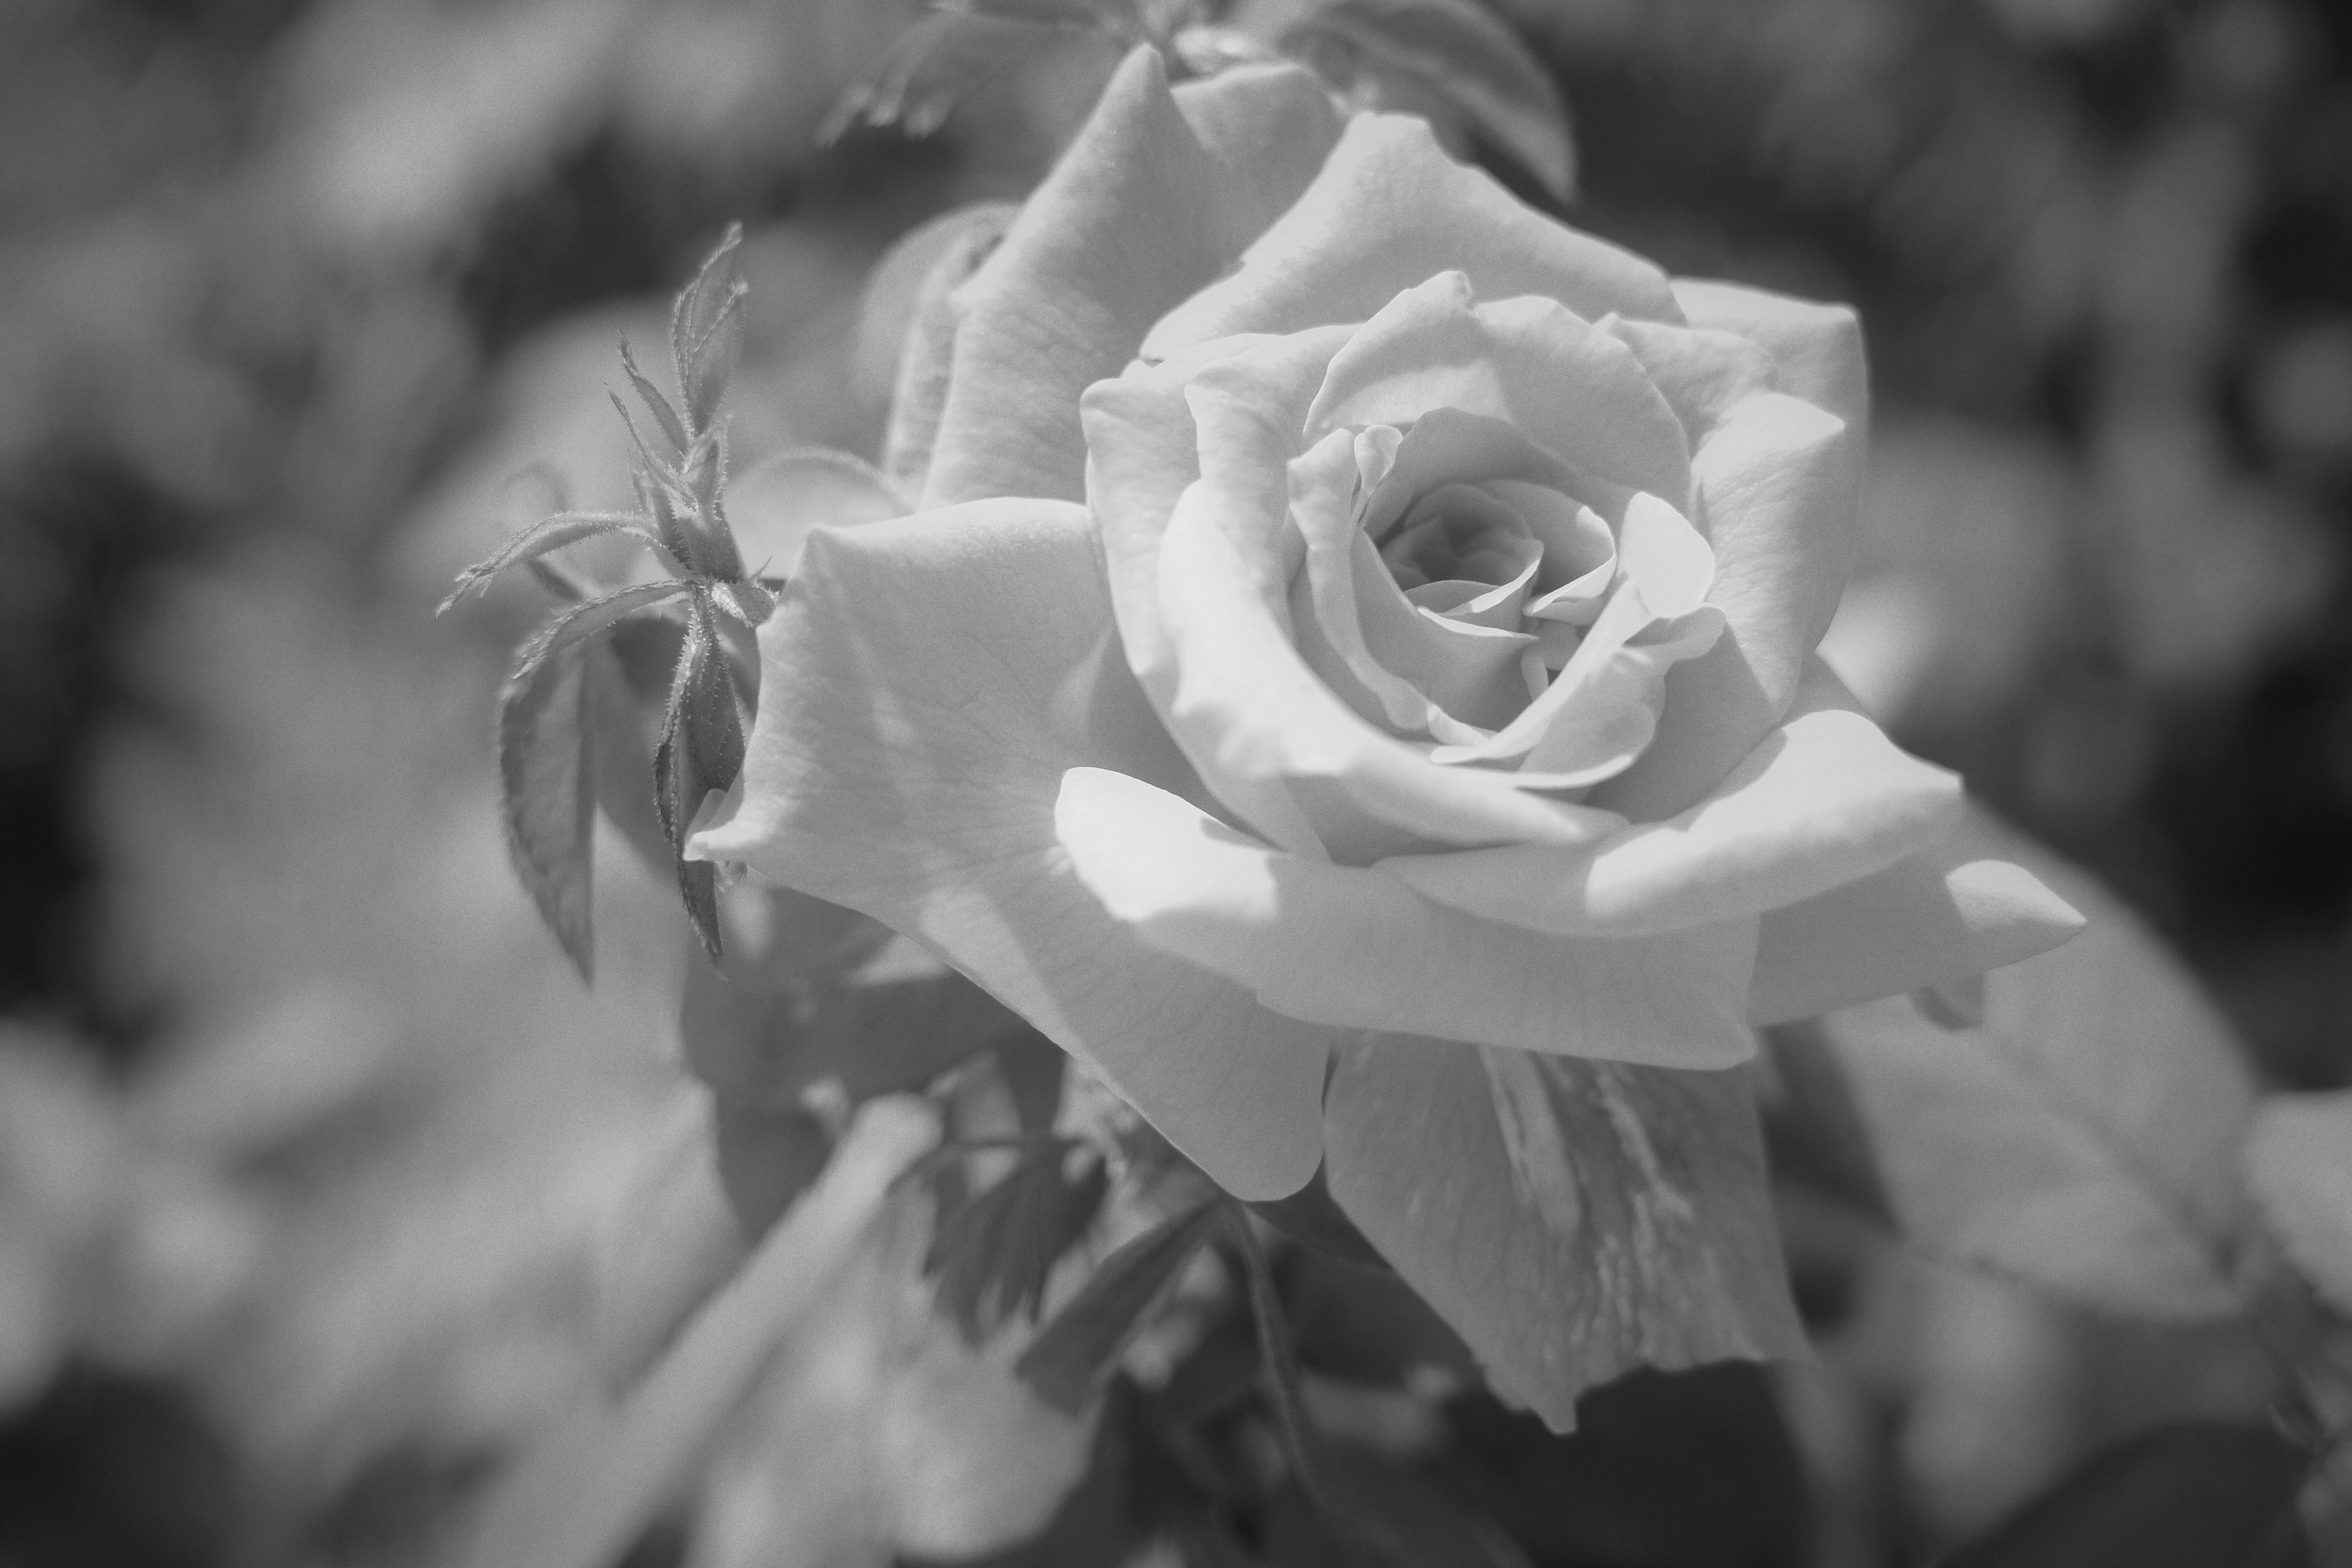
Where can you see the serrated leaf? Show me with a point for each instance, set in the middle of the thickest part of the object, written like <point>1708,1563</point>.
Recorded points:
<point>933,66</point>
<point>1068,1363</point>
<point>2085,1140</point>
<point>581,622</point>
<point>2195,1496</point>
<point>1573,1220</point>
<point>992,1254</point>
<point>549,808</point>
<point>773,506</point>
<point>707,333</point>
<point>2298,1164</point>
<point>549,534</point>
<point>1404,53</point>
<point>656,404</point>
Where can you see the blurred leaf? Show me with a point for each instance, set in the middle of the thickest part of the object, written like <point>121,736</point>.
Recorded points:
<point>2084,1140</point>
<point>1570,1219</point>
<point>772,505</point>
<point>992,1254</point>
<point>707,333</point>
<point>669,1241</point>
<point>549,807</point>
<point>2200,1495</point>
<point>1069,1361</point>
<point>1688,1469</point>
<point>776,1018</point>
<point>1415,1525</point>
<point>1365,1325</point>
<point>2299,1169</point>
<point>934,66</point>
<point>1454,55</point>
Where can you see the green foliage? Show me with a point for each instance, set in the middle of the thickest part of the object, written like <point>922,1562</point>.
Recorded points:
<point>992,1254</point>
<point>2196,1496</point>
<point>1069,1362</point>
<point>2083,1139</point>
<point>554,702</point>
<point>2299,1169</point>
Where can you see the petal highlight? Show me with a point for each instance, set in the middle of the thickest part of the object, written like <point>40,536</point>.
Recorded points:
<point>1358,950</point>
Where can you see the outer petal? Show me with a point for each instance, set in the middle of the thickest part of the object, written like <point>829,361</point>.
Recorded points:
<point>1389,209</point>
<point>927,681</point>
<point>1957,908</point>
<point>1778,484</point>
<point>1136,216</point>
<point>1359,950</point>
<point>1827,799</point>
<point>1816,348</point>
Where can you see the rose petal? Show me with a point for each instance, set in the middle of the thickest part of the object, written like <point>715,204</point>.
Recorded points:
<point>1136,216</point>
<point>1357,950</point>
<point>928,681</point>
<point>1957,908</point>
<point>1268,129</point>
<point>1528,363</point>
<point>1599,713</point>
<point>1447,447</point>
<point>1258,717</point>
<point>1703,372</point>
<point>1387,209</point>
<point>1253,717</point>
<point>1827,800</point>
<point>1778,484</point>
<point>1816,348</point>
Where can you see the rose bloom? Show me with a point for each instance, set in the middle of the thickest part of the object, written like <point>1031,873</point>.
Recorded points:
<point>1343,599</point>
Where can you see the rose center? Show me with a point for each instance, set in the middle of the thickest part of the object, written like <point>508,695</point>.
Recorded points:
<point>1458,534</point>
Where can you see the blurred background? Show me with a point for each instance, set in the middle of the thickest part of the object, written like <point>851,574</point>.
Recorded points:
<point>307,1132</point>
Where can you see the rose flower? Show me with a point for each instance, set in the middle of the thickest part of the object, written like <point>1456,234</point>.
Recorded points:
<point>1344,600</point>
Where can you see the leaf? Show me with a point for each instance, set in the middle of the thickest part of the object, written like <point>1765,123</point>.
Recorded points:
<point>549,534</point>
<point>707,333</point>
<point>2084,1140</point>
<point>1454,55</point>
<point>547,806</point>
<point>761,1035</point>
<point>702,751</point>
<point>2298,1164</point>
<point>1409,1523</point>
<point>1570,1219</point>
<point>772,505</point>
<point>2193,1496</point>
<point>992,1254</point>
<point>933,66</point>
<point>584,621</point>
<point>1068,1362</point>
<point>657,405</point>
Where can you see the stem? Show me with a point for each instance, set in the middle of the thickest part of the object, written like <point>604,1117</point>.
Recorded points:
<point>583,1495</point>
